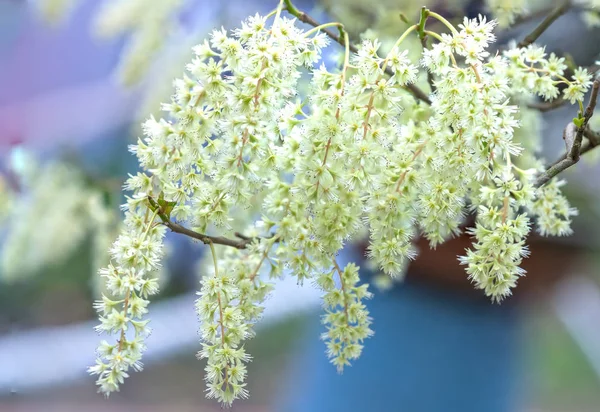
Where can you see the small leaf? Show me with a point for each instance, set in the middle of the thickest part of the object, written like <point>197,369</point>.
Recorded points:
<point>168,208</point>
<point>152,203</point>
<point>578,121</point>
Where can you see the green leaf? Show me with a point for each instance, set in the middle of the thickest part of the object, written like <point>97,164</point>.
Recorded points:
<point>578,121</point>
<point>165,206</point>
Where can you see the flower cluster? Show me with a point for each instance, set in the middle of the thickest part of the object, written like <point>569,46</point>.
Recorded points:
<point>493,263</point>
<point>229,304</point>
<point>531,71</point>
<point>553,210</point>
<point>135,255</point>
<point>357,157</point>
<point>346,317</point>
<point>54,202</point>
<point>148,25</point>
<point>506,11</point>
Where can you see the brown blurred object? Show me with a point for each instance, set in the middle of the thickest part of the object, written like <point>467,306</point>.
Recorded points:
<point>547,263</point>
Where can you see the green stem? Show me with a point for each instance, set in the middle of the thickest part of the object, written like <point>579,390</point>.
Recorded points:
<point>291,8</point>
<point>322,26</point>
<point>398,42</point>
<point>422,21</point>
<point>214,256</point>
<point>434,35</point>
<point>278,12</point>
<point>444,21</point>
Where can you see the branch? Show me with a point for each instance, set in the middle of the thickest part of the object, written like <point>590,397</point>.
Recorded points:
<point>305,18</point>
<point>242,243</point>
<point>526,18</point>
<point>547,106</point>
<point>206,239</point>
<point>576,149</point>
<point>543,26</point>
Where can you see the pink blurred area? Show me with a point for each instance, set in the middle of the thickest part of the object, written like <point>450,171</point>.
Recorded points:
<point>56,83</point>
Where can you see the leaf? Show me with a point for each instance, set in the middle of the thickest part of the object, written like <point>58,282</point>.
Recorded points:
<point>165,206</point>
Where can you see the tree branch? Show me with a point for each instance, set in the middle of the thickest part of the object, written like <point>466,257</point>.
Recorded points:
<point>305,18</point>
<point>576,149</point>
<point>543,26</point>
<point>242,243</point>
<point>547,106</point>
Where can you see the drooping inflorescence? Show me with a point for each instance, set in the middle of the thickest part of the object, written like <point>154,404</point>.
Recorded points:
<point>356,157</point>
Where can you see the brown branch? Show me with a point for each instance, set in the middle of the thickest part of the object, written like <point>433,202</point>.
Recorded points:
<point>305,18</point>
<point>548,106</point>
<point>573,153</point>
<point>206,239</point>
<point>526,18</point>
<point>593,137</point>
<point>242,243</point>
<point>543,26</point>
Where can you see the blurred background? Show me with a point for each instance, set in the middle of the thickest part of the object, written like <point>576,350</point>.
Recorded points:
<point>76,79</point>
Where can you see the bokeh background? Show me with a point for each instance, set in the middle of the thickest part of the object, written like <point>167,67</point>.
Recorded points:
<point>70,105</point>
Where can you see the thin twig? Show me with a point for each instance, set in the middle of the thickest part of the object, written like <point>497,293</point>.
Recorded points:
<point>587,115</point>
<point>548,106</point>
<point>526,18</point>
<point>543,26</point>
<point>305,18</point>
<point>242,243</point>
<point>593,137</point>
<point>573,154</point>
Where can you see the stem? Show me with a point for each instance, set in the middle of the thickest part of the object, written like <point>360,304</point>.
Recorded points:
<point>206,239</point>
<point>415,155</point>
<point>214,256</point>
<point>149,225</point>
<point>128,294</point>
<point>278,12</point>
<point>444,21</point>
<point>221,325</point>
<point>439,38</point>
<point>422,21</point>
<point>398,42</point>
<point>291,8</point>
<point>505,209</point>
<point>264,256</point>
<point>305,18</point>
<point>434,35</point>
<point>321,27</point>
<point>125,309</point>
<point>343,80</point>
<point>272,13</point>
<point>343,288</point>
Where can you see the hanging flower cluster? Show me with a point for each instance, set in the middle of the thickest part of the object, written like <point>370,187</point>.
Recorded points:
<point>357,156</point>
